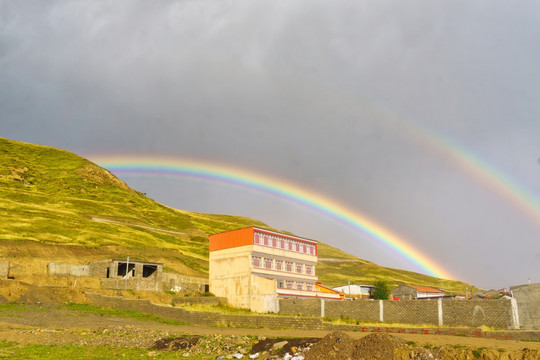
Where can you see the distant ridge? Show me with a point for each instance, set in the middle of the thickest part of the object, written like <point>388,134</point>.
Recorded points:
<point>62,207</point>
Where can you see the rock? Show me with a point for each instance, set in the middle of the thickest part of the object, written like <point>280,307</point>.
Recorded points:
<point>279,345</point>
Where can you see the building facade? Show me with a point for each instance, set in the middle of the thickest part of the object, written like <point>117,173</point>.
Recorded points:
<point>253,267</point>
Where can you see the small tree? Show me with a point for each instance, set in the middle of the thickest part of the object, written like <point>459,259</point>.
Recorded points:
<point>381,289</point>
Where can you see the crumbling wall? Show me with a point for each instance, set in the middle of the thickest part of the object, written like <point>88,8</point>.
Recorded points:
<point>131,283</point>
<point>100,268</point>
<point>184,282</point>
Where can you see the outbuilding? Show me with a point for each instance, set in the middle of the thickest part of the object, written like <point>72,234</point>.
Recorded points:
<point>412,292</point>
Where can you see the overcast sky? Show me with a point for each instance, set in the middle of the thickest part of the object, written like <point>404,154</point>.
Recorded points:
<point>405,111</point>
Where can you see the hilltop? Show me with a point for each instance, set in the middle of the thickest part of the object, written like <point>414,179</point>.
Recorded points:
<point>59,207</point>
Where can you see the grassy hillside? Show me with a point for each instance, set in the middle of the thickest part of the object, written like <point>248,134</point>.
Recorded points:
<point>57,206</point>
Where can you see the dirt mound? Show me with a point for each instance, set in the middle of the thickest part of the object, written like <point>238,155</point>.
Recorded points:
<point>334,346</point>
<point>15,291</point>
<point>339,345</point>
<point>376,347</point>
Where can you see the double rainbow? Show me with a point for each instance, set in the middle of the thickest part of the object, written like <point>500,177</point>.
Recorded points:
<point>275,187</point>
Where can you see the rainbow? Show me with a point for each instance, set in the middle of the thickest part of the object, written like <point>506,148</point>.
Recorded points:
<point>486,174</point>
<point>157,165</point>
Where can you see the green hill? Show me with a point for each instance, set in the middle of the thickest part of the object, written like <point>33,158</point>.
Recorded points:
<point>57,206</point>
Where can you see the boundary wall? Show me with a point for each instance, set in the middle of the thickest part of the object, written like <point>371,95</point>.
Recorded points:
<point>288,322</point>
<point>473,313</point>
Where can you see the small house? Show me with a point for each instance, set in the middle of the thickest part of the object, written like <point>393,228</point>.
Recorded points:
<point>412,292</point>
<point>356,291</point>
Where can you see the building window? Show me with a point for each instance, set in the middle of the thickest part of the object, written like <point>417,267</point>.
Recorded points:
<point>297,247</point>
<point>288,266</point>
<point>256,261</point>
<point>266,240</point>
<point>309,287</point>
<point>299,286</point>
<point>309,269</point>
<point>274,242</point>
<point>299,268</point>
<point>280,284</point>
<point>279,265</point>
<point>304,249</point>
<point>289,284</point>
<point>268,263</point>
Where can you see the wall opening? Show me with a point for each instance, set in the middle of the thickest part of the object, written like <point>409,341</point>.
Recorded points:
<point>125,269</point>
<point>148,270</point>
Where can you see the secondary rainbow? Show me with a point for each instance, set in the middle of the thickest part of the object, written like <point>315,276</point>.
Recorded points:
<point>276,187</point>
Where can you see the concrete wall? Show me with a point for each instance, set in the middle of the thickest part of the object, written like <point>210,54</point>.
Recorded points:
<point>230,277</point>
<point>528,304</point>
<point>100,268</point>
<point>69,269</point>
<point>4,269</point>
<point>474,313</point>
<point>230,274</point>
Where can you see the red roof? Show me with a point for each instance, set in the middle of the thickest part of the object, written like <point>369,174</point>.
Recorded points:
<point>426,289</point>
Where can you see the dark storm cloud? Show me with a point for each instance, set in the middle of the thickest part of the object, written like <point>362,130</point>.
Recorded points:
<point>322,94</point>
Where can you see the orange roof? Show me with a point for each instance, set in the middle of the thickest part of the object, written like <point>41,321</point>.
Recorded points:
<point>245,236</point>
<point>426,289</point>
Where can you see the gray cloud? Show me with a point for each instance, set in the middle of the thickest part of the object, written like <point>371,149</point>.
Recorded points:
<point>328,96</point>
